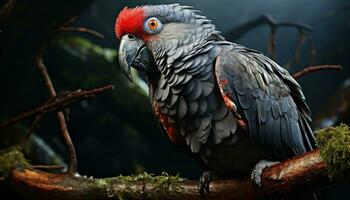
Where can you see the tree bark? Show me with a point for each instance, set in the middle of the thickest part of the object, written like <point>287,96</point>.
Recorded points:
<point>292,177</point>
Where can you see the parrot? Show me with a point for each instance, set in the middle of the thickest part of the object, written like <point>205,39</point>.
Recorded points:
<point>232,108</point>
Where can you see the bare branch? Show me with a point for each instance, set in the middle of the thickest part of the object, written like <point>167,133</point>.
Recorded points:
<point>31,130</point>
<point>303,29</point>
<point>65,28</point>
<point>38,59</point>
<point>308,70</point>
<point>271,47</point>
<point>60,115</point>
<point>299,44</point>
<point>297,25</point>
<point>312,50</point>
<point>80,30</point>
<point>61,101</point>
<point>69,21</point>
<point>238,31</point>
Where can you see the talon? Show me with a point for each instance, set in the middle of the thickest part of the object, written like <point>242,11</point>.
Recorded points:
<point>255,176</point>
<point>204,181</point>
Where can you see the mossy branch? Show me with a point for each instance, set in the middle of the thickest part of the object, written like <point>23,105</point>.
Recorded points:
<point>334,143</point>
<point>305,173</point>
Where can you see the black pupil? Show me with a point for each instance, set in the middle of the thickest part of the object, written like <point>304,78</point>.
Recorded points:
<point>153,23</point>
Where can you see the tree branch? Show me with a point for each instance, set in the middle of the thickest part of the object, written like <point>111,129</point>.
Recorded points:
<point>308,70</point>
<point>38,60</point>
<point>303,31</point>
<point>296,176</point>
<point>31,129</point>
<point>239,31</point>
<point>271,45</point>
<point>79,30</point>
<point>300,174</point>
<point>61,101</point>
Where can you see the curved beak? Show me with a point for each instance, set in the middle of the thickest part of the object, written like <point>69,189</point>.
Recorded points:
<point>133,52</point>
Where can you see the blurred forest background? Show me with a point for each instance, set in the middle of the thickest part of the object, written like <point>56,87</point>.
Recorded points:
<point>116,133</point>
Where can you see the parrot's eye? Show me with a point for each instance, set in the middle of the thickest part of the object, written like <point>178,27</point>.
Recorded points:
<point>152,25</point>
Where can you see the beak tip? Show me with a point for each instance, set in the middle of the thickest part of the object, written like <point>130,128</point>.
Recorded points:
<point>127,73</point>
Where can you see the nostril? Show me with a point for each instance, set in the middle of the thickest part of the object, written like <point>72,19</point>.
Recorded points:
<point>131,37</point>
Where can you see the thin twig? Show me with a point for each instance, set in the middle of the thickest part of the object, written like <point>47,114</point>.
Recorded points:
<point>296,25</point>
<point>268,20</point>
<point>316,68</point>
<point>299,44</point>
<point>69,21</point>
<point>60,116</point>
<point>31,129</point>
<point>239,31</point>
<point>38,59</point>
<point>312,50</point>
<point>271,47</point>
<point>80,30</point>
<point>61,101</point>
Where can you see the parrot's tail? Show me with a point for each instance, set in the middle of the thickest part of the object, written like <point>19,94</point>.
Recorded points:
<point>308,136</point>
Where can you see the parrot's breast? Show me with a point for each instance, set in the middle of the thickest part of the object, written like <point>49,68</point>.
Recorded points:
<point>188,95</point>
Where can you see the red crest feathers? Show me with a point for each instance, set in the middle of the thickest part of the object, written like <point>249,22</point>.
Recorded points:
<point>130,21</point>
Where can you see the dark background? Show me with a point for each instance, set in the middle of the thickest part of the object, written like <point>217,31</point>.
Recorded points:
<point>116,133</point>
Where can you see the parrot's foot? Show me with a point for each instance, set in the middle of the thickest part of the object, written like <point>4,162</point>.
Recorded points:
<point>257,172</point>
<point>204,181</point>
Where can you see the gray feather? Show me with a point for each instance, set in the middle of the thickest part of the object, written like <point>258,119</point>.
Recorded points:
<point>188,88</point>
<point>204,129</point>
<point>222,129</point>
<point>182,107</point>
<point>213,101</point>
<point>165,93</point>
<point>202,108</point>
<point>170,102</point>
<point>196,92</point>
<point>193,107</point>
<point>207,88</point>
<point>220,113</point>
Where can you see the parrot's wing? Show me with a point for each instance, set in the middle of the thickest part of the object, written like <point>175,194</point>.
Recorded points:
<point>268,99</point>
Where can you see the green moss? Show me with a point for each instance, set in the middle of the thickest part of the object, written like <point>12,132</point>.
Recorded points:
<point>9,158</point>
<point>334,143</point>
<point>161,184</point>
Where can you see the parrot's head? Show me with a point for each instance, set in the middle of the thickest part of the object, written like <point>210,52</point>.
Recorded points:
<point>154,36</point>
